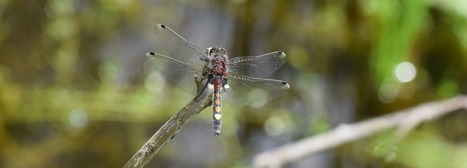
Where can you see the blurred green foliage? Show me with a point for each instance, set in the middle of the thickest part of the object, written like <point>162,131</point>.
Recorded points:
<point>77,91</point>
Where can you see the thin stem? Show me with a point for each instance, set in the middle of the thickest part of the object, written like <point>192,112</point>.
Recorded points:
<point>403,121</point>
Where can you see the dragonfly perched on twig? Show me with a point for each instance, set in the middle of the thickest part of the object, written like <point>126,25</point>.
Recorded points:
<point>239,79</point>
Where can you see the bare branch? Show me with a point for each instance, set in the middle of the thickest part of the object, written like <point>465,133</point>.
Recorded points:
<point>171,127</point>
<point>405,120</point>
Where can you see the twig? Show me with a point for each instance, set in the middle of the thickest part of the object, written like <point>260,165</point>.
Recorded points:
<point>171,127</point>
<point>404,119</point>
<point>429,112</point>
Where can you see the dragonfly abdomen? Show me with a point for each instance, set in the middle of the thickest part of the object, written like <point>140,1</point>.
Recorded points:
<point>217,107</point>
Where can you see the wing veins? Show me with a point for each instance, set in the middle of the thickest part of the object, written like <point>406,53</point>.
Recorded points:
<point>152,55</point>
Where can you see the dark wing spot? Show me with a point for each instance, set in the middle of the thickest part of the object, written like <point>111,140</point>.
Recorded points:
<point>284,83</point>
<point>281,54</point>
<point>150,54</point>
<point>163,26</point>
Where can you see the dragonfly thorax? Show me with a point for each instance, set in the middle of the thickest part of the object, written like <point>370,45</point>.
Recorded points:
<point>217,58</point>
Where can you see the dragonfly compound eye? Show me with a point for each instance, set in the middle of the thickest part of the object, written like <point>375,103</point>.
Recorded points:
<point>223,51</point>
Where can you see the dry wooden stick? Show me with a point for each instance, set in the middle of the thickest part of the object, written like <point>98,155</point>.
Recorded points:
<point>172,126</point>
<point>405,120</point>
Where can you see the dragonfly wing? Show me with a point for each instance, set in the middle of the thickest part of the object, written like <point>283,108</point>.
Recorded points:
<point>248,90</point>
<point>178,73</point>
<point>257,66</point>
<point>172,45</point>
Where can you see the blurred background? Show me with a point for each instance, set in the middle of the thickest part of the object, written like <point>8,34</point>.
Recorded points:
<point>76,89</point>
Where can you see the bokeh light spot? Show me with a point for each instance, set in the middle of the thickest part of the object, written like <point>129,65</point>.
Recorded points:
<point>387,93</point>
<point>78,117</point>
<point>275,126</point>
<point>154,83</point>
<point>258,97</point>
<point>405,72</point>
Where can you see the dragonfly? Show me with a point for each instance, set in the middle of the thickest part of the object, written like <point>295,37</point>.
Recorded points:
<point>240,79</point>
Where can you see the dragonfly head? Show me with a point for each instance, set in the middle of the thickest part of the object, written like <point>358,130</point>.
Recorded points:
<point>216,50</point>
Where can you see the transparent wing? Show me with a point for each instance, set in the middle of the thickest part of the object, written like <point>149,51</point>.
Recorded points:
<point>177,59</point>
<point>247,90</point>
<point>177,72</point>
<point>172,45</point>
<point>257,66</point>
